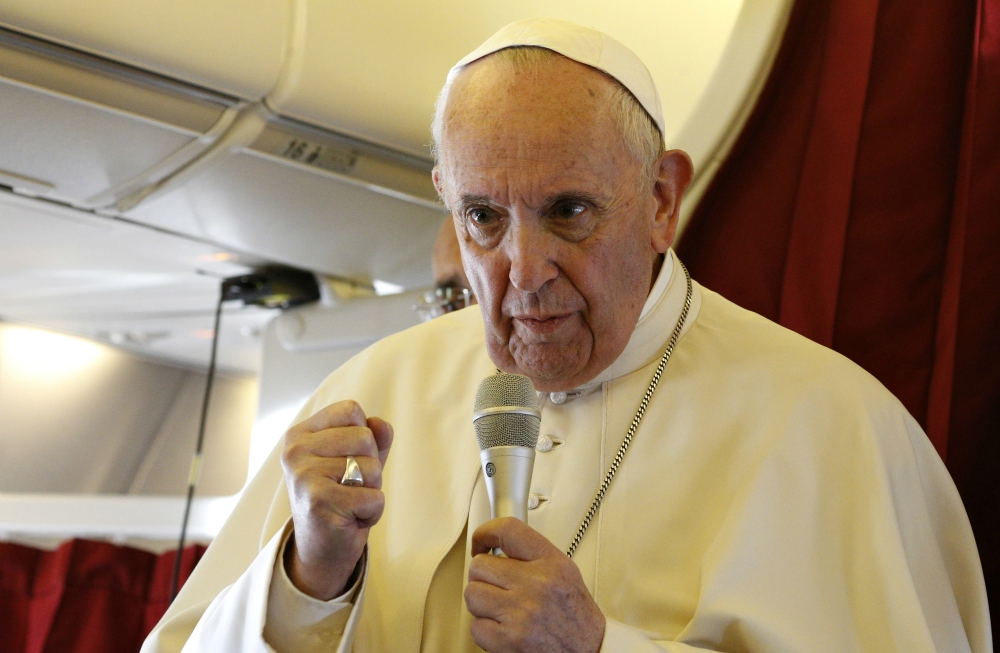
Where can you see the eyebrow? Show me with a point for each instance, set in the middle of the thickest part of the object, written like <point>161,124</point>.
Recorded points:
<point>575,196</point>
<point>470,199</point>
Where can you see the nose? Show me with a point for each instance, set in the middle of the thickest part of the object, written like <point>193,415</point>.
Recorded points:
<point>531,262</point>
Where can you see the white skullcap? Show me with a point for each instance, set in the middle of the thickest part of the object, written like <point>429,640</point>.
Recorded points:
<point>582,44</point>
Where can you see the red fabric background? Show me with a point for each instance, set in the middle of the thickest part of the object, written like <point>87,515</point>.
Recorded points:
<point>84,597</point>
<point>861,207</point>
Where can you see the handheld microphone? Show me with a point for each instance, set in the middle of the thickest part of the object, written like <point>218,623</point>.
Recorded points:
<point>507,420</point>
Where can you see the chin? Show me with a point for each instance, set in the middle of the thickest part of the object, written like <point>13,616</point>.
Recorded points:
<point>548,373</point>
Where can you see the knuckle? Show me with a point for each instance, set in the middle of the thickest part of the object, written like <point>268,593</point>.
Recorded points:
<point>368,442</point>
<point>351,408</point>
<point>293,450</point>
<point>559,592</point>
<point>368,501</point>
<point>315,503</point>
<point>478,632</point>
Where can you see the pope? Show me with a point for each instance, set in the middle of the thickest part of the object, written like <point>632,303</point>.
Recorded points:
<point>705,479</point>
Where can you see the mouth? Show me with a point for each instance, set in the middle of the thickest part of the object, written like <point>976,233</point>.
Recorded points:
<point>543,324</point>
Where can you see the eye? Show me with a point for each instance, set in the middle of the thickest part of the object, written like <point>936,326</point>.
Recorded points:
<point>481,216</point>
<point>568,210</point>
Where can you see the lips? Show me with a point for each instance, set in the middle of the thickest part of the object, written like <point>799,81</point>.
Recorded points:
<point>543,325</point>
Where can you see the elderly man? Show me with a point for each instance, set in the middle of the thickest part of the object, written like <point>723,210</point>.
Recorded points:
<point>757,491</point>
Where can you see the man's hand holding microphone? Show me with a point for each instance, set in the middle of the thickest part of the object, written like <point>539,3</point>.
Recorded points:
<point>533,600</point>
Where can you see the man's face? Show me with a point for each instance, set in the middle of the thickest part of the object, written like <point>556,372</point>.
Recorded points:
<point>558,230</point>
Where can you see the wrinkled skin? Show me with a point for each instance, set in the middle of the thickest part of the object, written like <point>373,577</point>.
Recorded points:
<point>532,601</point>
<point>561,238</point>
<point>560,234</point>
<point>446,262</point>
<point>331,521</point>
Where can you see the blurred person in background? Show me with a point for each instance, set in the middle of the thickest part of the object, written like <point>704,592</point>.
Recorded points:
<point>451,291</point>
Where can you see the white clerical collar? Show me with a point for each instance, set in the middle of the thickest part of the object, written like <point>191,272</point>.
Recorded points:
<point>656,322</point>
<point>662,279</point>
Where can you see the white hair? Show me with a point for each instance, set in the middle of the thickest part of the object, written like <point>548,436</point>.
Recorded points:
<point>639,133</point>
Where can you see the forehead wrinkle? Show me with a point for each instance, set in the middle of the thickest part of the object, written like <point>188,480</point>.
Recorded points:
<point>529,136</point>
<point>540,190</point>
<point>561,88</point>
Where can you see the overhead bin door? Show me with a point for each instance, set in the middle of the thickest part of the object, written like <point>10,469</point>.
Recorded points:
<point>310,198</point>
<point>374,68</point>
<point>233,46</point>
<point>86,131</point>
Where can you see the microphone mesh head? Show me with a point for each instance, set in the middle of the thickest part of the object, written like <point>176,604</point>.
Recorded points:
<point>506,429</point>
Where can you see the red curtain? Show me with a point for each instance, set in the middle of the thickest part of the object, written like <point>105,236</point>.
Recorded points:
<point>84,597</point>
<point>861,208</point>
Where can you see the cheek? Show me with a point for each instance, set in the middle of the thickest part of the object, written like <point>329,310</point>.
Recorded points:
<point>488,278</point>
<point>615,282</point>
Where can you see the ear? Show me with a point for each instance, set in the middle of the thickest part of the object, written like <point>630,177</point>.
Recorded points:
<point>438,180</point>
<point>672,180</point>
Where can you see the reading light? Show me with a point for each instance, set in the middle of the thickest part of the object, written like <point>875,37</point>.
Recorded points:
<point>218,257</point>
<point>41,353</point>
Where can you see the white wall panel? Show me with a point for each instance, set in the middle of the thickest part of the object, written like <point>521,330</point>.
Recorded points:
<point>81,417</point>
<point>75,416</point>
<point>232,409</point>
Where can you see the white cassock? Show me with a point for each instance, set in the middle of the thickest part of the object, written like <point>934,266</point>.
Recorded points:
<point>775,498</point>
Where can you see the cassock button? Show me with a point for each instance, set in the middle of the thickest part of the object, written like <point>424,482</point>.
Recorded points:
<point>533,501</point>
<point>544,444</point>
<point>558,398</point>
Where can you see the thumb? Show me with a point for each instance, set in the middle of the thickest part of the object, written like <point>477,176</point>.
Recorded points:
<point>515,538</point>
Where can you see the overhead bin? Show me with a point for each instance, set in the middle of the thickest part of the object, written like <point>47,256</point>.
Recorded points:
<point>307,197</point>
<point>83,130</point>
<point>232,46</point>
<point>374,68</point>
<point>101,136</point>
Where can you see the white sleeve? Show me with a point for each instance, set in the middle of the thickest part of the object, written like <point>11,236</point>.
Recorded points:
<point>298,623</point>
<point>235,621</point>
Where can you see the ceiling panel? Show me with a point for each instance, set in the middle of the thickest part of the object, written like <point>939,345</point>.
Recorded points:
<point>146,291</point>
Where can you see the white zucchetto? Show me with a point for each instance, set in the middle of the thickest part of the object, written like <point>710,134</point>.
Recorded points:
<point>582,44</point>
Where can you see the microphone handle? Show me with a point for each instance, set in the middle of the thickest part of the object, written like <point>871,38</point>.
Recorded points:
<point>507,471</point>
